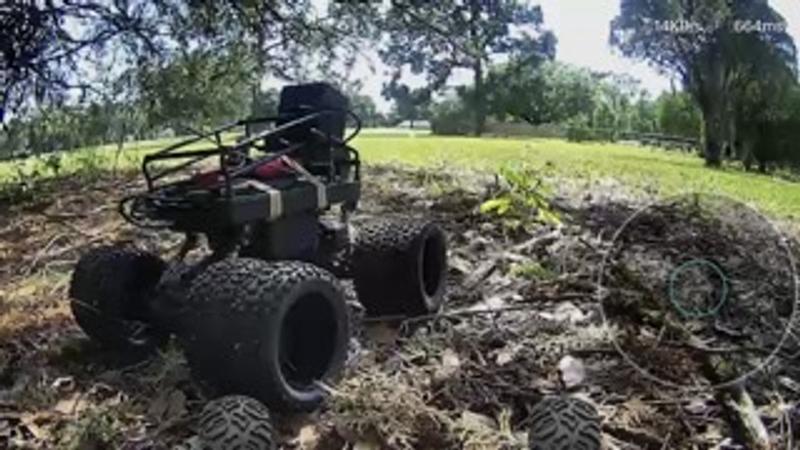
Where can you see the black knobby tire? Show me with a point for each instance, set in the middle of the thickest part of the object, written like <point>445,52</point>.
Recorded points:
<point>236,422</point>
<point>399,268</point>
<point>270,330</point>
<point>564,423</point>
<point>110,291</point>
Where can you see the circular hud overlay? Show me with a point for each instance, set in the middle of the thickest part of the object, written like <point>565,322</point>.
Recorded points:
<point>698,291</point>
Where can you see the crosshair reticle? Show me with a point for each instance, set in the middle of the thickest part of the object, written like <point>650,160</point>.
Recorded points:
<point>698,291</point>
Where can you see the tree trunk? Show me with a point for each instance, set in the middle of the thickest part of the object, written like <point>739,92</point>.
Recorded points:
<point>732,135</point>
<point>746,154</point>
<point>479,99</point>
<point>120,144</point>
<point>713,132</point>
<point>708,87</point>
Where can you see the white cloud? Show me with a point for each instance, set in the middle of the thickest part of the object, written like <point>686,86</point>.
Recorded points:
<point>582,28</point>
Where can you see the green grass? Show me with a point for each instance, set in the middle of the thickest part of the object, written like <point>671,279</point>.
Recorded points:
<point>639,169</point>
<point>100,158</point>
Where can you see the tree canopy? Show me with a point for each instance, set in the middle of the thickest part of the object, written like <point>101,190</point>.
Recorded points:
<point>710,47</point>
<point>197,88</point>
<point>409,104</point>
<point>435,38</point>
<point>49,49</point>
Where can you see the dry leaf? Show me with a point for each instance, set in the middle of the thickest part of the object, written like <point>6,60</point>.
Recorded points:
<point>565,312</point>
<point>448,366</point>
<point>634,411</point>
<point>572,371</point>
<point>307,438</point>
<point>460,264</point>
<point>71,405</point>
<point>474,421</point>
<point>492,303</point>
<point>64,384</point>
<point>507,354</point>
<point>32,423</point>
<point>696,406</point>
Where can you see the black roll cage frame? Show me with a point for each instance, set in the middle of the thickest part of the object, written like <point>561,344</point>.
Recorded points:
<point>131,206</point>
<point>225,151</point>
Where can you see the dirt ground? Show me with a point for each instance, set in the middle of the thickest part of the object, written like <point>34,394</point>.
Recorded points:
<point>532,309</point>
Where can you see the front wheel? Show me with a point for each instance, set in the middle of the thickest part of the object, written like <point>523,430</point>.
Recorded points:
<point>400,267</point>
<point>271,330</point>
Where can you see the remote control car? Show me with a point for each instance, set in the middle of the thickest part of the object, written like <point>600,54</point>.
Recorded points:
<point>262,313</point>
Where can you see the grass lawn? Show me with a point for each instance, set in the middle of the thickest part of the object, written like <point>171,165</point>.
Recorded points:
<point>651,170</point>
<point>654,170</point>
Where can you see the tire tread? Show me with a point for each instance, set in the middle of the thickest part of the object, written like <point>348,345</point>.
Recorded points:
<point>236,422</point>
<point>563,423</point>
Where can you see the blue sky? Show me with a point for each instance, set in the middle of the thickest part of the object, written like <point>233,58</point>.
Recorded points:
<point>582,28</point>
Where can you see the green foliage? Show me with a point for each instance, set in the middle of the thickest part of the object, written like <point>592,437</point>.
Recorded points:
<point>27,177</point>
<point>678,115</point>
<point>578,130</point>
<point>770,138</point>
<point>409,104</point>
<point>716,60</point>
<point>593,105</point>
<point>97,428</point>
<point>54,45</point>
<point>90,164</point>
<point>52,162</point>
<point>69,127</point>
<point>364,107</point>
<point>436,38</point>
<point>551,93</point>
<point>524,197</point>
<point>451,117</point>
<point>531,271</point>
<point>201,88</point>
<point>23,180</point>
<point>265,103</point>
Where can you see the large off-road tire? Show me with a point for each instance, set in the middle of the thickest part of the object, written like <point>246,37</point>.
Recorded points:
<point>110,291</point>
<point>399,268</point>
<point>270,330</point>
<point>173,290</point>
<point>236,422</point>
<point>563,423</point>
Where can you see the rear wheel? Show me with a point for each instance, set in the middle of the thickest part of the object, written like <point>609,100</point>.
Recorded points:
<point>271,330</point>
<point>399,268</point>
<point>236,422</point>
<point>110,291</point>
<point>564,423</point>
